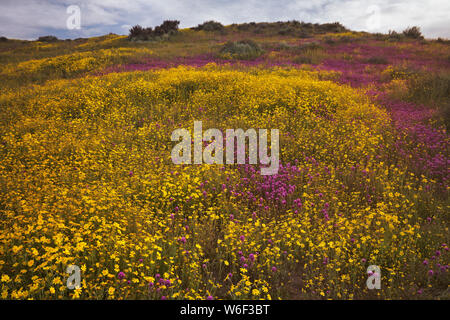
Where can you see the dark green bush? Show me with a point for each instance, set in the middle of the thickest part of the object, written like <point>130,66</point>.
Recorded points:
<point>167,28</point>
<point>47,39</point>
<point>335,27</point>
<point>293,28</point>
<point>413,33</point>
<point>244,50</point>
<point>394,36</point>
<point>210,26</point>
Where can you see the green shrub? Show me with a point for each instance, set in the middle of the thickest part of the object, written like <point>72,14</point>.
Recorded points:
<point>413,33</point>
<point>394,36</point>
<point>244,50</point>
<point>335,27</point>
<point>47,39</point>
<point>429,88</point>
<point>210,26</point>
<point>310,56</point>
<point>167,28</point>
<point>292,28</point>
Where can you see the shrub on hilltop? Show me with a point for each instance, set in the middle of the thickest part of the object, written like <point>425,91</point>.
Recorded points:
<point>167,28</point>
<point>413,33</point>
<point>394,36</point>
<point>210,26</point>
<point>290,28</point>
<point>47,39</point>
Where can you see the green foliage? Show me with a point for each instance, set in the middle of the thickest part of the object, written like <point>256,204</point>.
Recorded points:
<point>167,28</point>
<point>47,39</point>
<point>430,88</point>
<point>310,56</point>
<point>210,26</point>
<point>413,33</point>
<point>242,50</point>
<point>290,28</point>
<point>394,36</point>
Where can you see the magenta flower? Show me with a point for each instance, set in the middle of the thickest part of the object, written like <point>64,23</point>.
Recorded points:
<point>120,275</point>
<point>242,238</point>
<point>210,298</point>
<point>274,269</point>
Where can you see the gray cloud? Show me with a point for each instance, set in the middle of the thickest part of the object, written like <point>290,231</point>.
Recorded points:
<point>30,19</point>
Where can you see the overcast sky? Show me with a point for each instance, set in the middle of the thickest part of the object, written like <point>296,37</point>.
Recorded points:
<point>23,19</point>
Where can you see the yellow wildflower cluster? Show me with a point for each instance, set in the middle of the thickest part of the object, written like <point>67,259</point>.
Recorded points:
<point>86,179</point>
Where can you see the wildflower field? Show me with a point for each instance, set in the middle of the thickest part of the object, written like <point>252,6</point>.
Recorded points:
<point>86,176</point>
